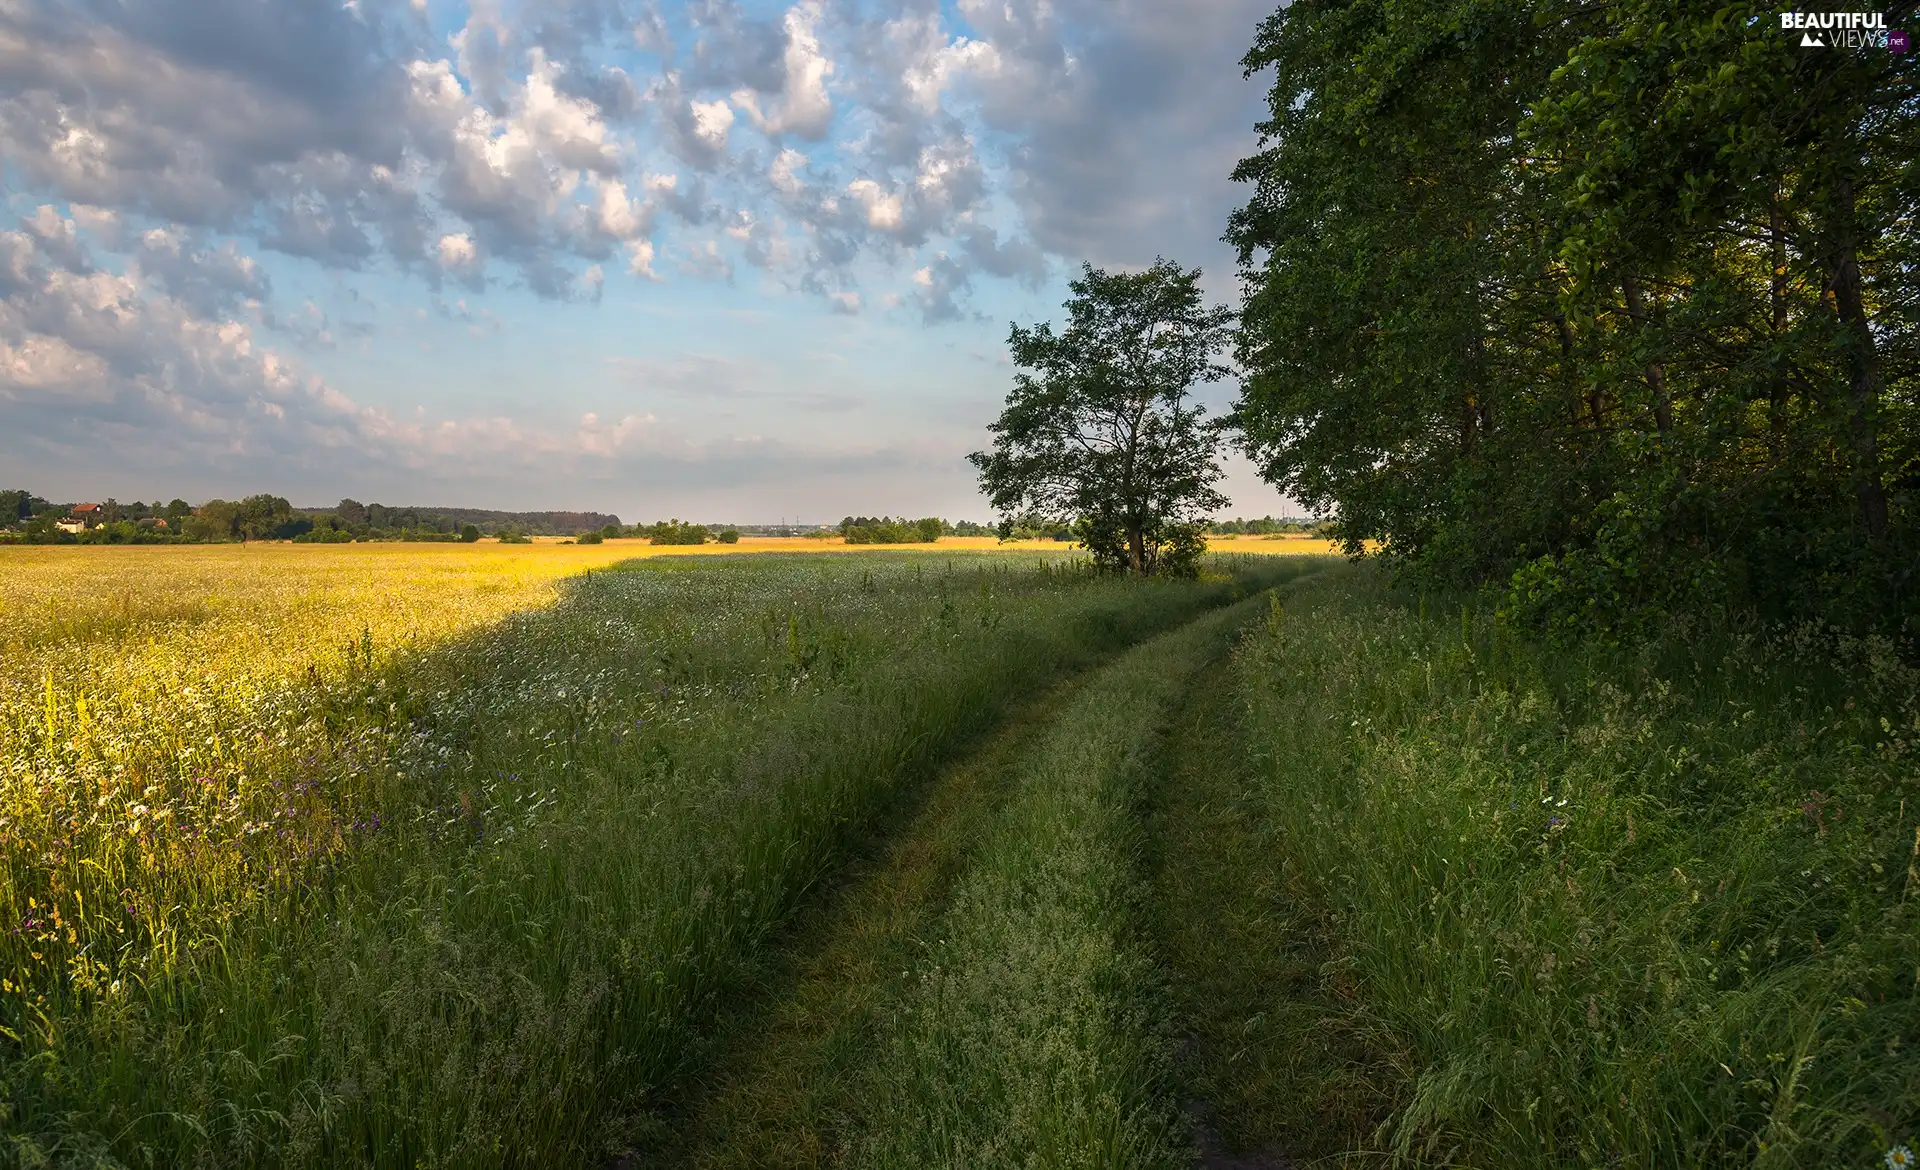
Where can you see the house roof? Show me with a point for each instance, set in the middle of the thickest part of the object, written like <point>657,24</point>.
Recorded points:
<point>77,508</point>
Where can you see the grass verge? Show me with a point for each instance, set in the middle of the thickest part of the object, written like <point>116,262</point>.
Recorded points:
<point>1646,907</point>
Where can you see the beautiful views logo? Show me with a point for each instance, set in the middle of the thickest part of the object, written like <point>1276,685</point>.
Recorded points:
<point>1845,30</point>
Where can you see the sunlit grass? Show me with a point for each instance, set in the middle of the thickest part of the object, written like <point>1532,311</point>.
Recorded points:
<point>409,855</point>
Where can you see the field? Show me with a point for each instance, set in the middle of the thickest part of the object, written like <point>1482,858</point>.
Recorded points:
<point>543,855</point>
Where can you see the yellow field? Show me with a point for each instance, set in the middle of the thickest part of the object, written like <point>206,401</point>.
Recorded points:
<point>137,630</point>
<point>1295,546</point>
<point>126,671</point>
<point>1267,545</point>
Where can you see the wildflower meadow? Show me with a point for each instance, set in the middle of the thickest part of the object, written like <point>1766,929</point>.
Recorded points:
<point>528,856</point>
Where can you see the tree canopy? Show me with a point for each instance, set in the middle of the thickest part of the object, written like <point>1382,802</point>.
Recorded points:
<point>1611,305</point>
<point>1099,430</point>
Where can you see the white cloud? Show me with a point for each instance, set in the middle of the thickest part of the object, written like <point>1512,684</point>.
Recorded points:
<point>610,439</point>
<point>711,121</point>
<point>456,250</point>
<point>782,173</point>
<point>706,261</point>
<point>883,208</point>
<point>640,259</point>
<point>617,215</point>
<point>804,106</point>
<point>928,64</point>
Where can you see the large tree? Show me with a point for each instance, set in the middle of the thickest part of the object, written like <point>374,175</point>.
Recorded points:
<point>1617,305</point>
<point>1100,431</point>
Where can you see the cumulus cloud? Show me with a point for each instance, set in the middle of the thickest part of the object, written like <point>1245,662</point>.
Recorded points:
<point>711,121</point>
<point>100,360</point>
<point>640,259</point>
<point>168,155</point>
<point>784,173</point>
<point>803,106</point>
<point>345,135</point>
<point>939,288</point>
<point>86,353</point>
<point>456,251</point>
<point>1127,116</point>
<point>882,209</point>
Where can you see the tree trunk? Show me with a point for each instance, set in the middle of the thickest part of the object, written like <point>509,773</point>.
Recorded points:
<point>1136,547</point>
<point>1777,296</point>
<point>1863,366</point>
<point>1594,401</point>
<point>1656,371</point>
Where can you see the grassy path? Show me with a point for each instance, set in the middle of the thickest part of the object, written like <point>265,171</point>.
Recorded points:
<point>1030,1032</point>
<point>976,993</point>
<point>782,1092</point>
<point>1280,1065</point>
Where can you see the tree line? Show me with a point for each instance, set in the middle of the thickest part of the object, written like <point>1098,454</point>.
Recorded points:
<point>29,518</point>
<point>1610,307</point>
<point>1613,310</point>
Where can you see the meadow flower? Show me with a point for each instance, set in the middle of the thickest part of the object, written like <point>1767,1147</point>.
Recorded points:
<point>1901,1158</point>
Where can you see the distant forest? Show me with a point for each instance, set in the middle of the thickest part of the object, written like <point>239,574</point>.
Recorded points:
<point>32,519</point>
<point>487,520</point>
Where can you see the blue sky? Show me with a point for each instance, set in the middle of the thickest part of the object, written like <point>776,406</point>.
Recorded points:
<point>718,259</point>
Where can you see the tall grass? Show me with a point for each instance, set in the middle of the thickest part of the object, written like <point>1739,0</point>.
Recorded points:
<point>466,905</point>
<point>1656,907</point>
<point>1031,1031</point>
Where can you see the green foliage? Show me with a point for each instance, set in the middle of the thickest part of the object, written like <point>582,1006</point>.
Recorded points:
<point>326,535</point>
<point>15,506</point>
<point>886,530</point>
<point>590,538</point>
<point>1646,907</point>
<point>674,532</point>
<point>1100,434</point>
<point>1164,547</point>
<point>729,536</point>
<point>1264,526</point>
<point>269,517</point>
<point>1633,332</point>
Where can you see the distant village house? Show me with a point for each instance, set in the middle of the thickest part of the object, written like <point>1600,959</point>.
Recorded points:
<point>79,518</point>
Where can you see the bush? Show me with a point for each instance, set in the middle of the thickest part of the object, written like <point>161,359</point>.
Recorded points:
<point>729,536</point>
<point>677,532</point>
<point>469,533</point>
<point>589,538</point>
<point>325,536</point>
<point>886,530</point>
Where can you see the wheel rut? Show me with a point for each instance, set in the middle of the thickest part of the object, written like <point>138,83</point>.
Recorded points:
<point>1273,1055</point>
<point>781,1093</point>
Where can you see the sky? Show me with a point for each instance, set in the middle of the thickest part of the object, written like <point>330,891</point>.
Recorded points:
<point>720,259</point>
